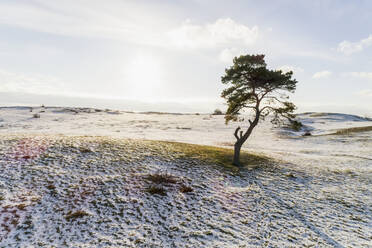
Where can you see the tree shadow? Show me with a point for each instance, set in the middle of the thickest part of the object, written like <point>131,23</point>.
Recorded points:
<point>290,209</point>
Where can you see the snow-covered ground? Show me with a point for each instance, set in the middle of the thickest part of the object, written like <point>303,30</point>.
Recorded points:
<point>330,152</point>
<point>58,190</point>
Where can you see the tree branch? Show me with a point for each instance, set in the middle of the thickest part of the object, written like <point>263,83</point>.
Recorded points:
<point>263,95</point>
<point>236,133</point>
<point>275,98</point>
<point>266,107</point>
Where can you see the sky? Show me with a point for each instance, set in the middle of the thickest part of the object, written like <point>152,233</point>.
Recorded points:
<point>169,55</point>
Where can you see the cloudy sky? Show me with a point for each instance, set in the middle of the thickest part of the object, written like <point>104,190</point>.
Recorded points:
<point>169,55</point>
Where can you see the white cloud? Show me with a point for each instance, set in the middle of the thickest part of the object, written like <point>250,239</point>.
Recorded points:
<point>11,82</point>
<point>221,33</point>
<point>364,75</point>
<point>227,55</point>
<point>14,82</point>
<point>322,74</point>
<point>287,68</point>
<point>125,21</point>
<point>348,47</point>
<point>116,20</point>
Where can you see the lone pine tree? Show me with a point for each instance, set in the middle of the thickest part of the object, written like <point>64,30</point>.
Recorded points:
<point>254,87</point>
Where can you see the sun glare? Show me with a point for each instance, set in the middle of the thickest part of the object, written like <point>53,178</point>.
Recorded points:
<point>144,76</point>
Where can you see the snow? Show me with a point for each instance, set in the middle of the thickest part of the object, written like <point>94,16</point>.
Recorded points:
<point>317,193</point>
<point>333,152</point>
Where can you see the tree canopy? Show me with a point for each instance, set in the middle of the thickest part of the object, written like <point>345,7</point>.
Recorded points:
<point>254,86</point>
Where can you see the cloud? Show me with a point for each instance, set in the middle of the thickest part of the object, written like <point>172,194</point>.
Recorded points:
<point>322,74</point>
<point>349,48</point>
<point>287,68</point>
<point>14,82</point>
<point>223,32</point>
<point>227,55</point>
<point>116,20</point>
<point>11,82</point>
<point>364,75</point>
<point>127,21</point>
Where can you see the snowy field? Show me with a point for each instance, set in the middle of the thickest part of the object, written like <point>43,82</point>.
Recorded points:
<point>61,187</point>
<point>334,152</point>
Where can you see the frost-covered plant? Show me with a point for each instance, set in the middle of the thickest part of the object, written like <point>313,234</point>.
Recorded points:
<point>76,214</point>
<point>217,112</point>
<point>186,189</point>
<point>156,190</point>
<point>161,177</point>
<point>295,125</point>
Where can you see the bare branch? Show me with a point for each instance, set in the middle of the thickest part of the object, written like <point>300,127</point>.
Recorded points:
<point>241,134</point>
<point>236,133</point>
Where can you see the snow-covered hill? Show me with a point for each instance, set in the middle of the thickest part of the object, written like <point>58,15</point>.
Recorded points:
<point>72,178</point>
<point>335,152</point>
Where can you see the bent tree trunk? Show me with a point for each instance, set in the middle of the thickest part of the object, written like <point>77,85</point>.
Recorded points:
<point>240,139</point>
<point>237,148</point>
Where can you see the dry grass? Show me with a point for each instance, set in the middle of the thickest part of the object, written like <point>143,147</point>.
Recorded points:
<point>76,215</point>
<point>186,189</point>
<point>347,131</point>
<point>209,154</point>
<point>161,177</point>
<point>176,150</point>
<point>84,150</point>
<point>318,115</point>
<point>156,190</point>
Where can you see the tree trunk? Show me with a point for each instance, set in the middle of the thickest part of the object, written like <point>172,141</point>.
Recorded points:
<point>237,148</point>
<point>240,140</point>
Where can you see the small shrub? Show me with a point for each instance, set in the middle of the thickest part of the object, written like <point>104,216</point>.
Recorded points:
<point>21,206</point>
<point>156,190</point>
<point>51,186</point>
<point>295,125</point>
<point>84,150</point>
<point>186,189</point>
<point>290,175</point>
<point>36,115</point>
<point>307,134</point>
<point>161,177</point>
<point>75,215</point>
<point>217,112</point>
<point>184,128</point>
